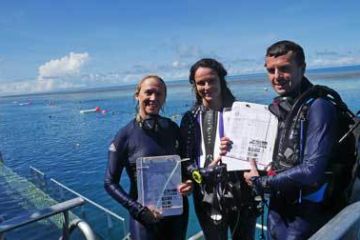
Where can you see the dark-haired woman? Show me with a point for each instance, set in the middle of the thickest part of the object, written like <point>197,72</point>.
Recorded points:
<point>148,134</point>
<point>201,130</point>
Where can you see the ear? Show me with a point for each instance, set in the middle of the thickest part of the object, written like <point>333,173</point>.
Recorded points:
<point>303,69</point>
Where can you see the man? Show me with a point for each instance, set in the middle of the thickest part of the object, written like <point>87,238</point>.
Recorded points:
<point>296,180</point>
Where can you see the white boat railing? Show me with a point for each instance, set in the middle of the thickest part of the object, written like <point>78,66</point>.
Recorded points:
<point>63,207</point>
<point>110,216</point>
<point>345,225</point>
<point>200,234</point>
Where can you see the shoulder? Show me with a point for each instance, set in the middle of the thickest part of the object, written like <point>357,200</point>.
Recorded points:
<point>171,123</point>
<point>187,115</point>
<point>190,115</point>
<point>321,106</point>
<point>322,113</point>
<point>124,132</point>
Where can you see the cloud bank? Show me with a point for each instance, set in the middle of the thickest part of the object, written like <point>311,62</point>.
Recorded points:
<point>63,67</point>
<point>68,72</point>
<point>56,74</point>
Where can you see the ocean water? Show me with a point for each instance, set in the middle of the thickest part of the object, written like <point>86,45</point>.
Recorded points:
<point>49,133</point>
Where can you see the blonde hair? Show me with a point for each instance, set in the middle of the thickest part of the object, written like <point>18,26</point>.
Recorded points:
<point>138,87</point>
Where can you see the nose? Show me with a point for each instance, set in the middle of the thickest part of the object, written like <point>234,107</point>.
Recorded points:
<point>153,96</point>
<point>207,85</point>
<point>277,74</point>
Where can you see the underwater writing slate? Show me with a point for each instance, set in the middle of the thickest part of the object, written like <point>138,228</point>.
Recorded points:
<point>157,181</point>
<point>252,128</point>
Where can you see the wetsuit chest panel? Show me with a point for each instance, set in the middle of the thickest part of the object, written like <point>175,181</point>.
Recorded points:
<point>150,143</point>
<point>145,143</point>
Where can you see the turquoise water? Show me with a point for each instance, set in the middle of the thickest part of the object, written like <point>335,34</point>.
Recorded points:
<point>50,134</point>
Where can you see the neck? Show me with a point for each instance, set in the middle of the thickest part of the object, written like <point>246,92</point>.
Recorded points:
<point>143,116</point>
<point>215,105</point>
<point>304,85</point>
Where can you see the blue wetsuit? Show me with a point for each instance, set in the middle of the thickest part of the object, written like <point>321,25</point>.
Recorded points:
<point>291,214</point>
<point>130,143</point>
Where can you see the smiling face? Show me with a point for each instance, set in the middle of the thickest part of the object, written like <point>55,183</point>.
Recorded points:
<point>151,96</point>
<point>208,87</point>
<point>284,73</point>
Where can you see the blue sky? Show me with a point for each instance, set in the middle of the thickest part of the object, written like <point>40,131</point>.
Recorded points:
<point>48,45</point>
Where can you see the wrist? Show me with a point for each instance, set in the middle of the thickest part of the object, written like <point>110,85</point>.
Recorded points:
<point>259,184</point>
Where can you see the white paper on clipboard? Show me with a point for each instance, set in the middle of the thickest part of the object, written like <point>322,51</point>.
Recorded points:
<point>252,128</point>
<point>157,181</point>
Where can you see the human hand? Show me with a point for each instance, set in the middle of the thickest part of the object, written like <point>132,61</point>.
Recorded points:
<point>185,188</point>
<point>252,173</point>
<point>148,217</point>
<point>225,145</point>
<point>215,162</point>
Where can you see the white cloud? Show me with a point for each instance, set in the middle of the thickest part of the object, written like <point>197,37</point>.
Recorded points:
<point>65,66</point>
<point>61,73</point>
<point>335,61</point>
<point>56,74</point>
<point>67,72</point>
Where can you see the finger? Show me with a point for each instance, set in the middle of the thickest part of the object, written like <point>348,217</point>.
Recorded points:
<point>180,187</point>
<point>223,152</point>
<point>253,165</point>
<point>247,178</point>
<point>188,182</point>
<point>156,214</point>
<point>247,175</point>
<point>186,190</point>
<point>249,183</point>
<point>185,187</point>
<point>225,139</point>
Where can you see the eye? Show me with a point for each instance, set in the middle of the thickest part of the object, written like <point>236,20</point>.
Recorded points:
<point>284,69</point>
<point>211,81</point>
<point>148,92</point>
<point>270,70</point>
<point>200,83</point>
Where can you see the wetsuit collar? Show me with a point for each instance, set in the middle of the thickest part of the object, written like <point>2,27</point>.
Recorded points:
<point>281,105</point>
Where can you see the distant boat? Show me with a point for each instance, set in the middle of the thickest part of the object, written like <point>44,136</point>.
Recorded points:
<point>92,110</point>
<point>24,103</point>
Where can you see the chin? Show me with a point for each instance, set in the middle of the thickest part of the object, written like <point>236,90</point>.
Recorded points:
<point>155,112</point>
<point>209,99</point>
<point>280,91</point>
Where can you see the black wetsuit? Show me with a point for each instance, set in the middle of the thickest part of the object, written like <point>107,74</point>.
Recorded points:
<point>239,215</point>
<point>130,143</point>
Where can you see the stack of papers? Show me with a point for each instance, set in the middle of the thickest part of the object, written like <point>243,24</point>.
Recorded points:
<point>252,128</point>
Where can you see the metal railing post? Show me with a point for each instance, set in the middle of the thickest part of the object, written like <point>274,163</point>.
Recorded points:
<point>109,221</point>
<point>65,235</point>
<point>84,228</point>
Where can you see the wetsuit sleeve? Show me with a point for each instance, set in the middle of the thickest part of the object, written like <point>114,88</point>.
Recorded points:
<point>178,138</point>
<point>320,138</point>
<point>117,154</point>
<point>187,144</point>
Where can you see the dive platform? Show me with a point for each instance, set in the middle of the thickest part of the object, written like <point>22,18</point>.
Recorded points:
<point>43,208</point>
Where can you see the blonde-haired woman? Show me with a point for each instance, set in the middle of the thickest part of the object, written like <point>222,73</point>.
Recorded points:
<point>148,134</point>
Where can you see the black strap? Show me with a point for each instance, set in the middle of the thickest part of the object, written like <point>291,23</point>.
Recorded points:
<point>209,125</point>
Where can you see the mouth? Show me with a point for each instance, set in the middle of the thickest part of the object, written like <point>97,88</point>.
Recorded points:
<point>152,105</point>
<point>281,85</point>
<point>208,94</point>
